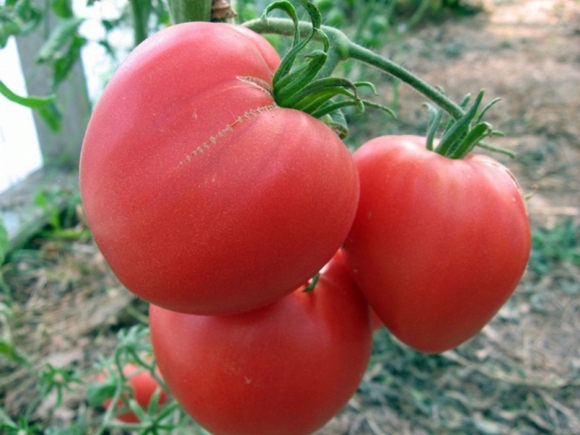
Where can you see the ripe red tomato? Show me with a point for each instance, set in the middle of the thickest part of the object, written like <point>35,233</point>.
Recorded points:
<point>438,245</point>
<point>203,195</point>
<point>143,385</point>
<point>284,369</point>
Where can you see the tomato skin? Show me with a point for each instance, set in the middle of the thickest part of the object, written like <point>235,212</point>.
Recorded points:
<point>285,369</point>
<point>144,386</point>
<point>187,163</point>
<point>438,245</point>
<point>376,321</point>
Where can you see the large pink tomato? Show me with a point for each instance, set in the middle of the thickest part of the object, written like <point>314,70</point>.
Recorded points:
<point>285,369</point>
<point>203,195</point>
<point>438,245</point>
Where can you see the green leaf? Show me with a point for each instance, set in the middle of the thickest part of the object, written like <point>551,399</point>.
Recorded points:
<point>7,29</point>
<point>8,349</point>
<point>32,102</point>
<point>337,122</point>
<point>66,60</point>
<point>62,8</point>
<point>98,393</point>
<point>3,240</point>
<point>17,17</point>
<point>59,39</point>
<point>52,116</point>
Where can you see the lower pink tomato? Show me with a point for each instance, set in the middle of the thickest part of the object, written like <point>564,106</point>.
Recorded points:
<point>285,369</point>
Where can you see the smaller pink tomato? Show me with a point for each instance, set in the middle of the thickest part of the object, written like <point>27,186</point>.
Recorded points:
<point>143,385</point>
<point>438,245</point>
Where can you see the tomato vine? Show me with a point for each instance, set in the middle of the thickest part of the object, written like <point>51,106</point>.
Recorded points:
<point>466,129</point>
<point>311,87</point>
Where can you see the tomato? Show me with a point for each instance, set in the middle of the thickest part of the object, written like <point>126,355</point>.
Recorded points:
<point>376,321</point>
<point>203,195</point>
<point>437,245</point>
<point>143,385</point>
<point>285,369</point>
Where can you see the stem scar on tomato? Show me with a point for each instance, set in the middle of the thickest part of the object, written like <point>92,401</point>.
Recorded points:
<point>258,82</point>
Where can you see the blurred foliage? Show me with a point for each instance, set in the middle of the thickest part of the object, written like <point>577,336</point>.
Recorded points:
<point>371,23</point>
<point>555,245</point>
<point>61,50</point>
<point>17,17</point>
<point>3,240</point>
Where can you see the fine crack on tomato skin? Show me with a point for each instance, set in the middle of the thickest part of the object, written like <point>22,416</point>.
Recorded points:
<point>228,129</point>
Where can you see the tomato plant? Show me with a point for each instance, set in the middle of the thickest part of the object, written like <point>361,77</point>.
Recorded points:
<point>283,369</point>
<point>202,193</point>
<point>438,244</point>
<point>143,387</point>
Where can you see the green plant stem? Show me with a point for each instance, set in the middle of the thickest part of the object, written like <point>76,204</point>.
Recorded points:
<point>32,406</point>
<point>141,10</point>
<point>182,11</point>
<point>342,48</point>
<point>108,417</point>
<point>417,15</point>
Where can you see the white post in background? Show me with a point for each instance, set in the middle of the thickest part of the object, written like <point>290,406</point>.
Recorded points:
<point>19,149</point>
<point>22,215</point>
<point>62,148</point>
<point>52,160</point>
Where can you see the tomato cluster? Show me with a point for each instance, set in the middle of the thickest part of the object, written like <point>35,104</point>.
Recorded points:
<point>217,206</point>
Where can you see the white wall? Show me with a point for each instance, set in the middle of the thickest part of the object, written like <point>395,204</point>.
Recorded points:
<point>19,151</point>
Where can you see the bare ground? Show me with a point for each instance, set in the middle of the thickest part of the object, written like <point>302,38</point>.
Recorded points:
<point>521,375</point>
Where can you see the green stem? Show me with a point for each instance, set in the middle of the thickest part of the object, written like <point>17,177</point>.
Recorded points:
<point>342,48</point>
<point>108,417</point>
<point>417,15</point>
<point>366,56</point>
<point>335,55</point>
<point>182,11</point>
<point>141,10</point>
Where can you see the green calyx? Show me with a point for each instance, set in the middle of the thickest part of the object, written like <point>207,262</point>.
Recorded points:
<point>305,88</point>
<point>462,135</point>
<point>312,284</point>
